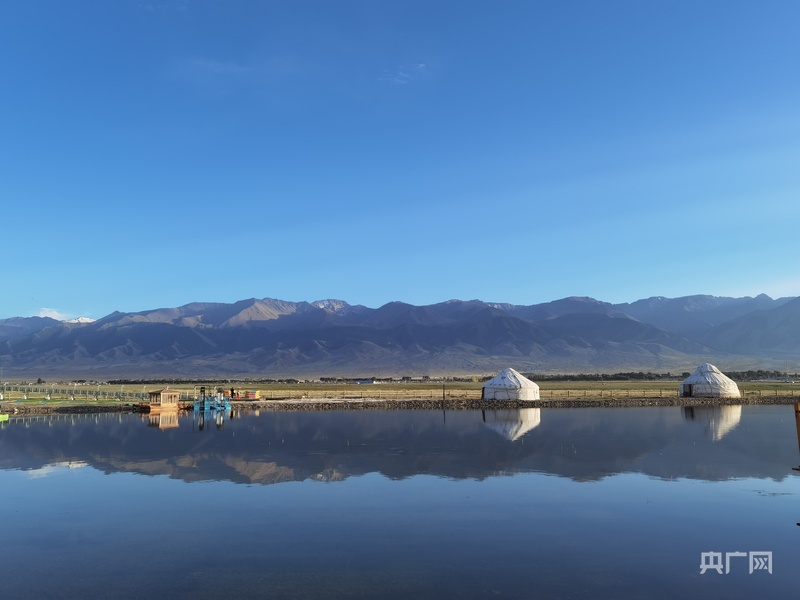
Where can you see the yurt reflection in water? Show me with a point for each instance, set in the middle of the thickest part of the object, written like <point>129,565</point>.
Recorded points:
<point>719,420</point>
<point>512,423</point>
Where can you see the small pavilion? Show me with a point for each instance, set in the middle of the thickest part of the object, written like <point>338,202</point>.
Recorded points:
<point>165,398</point>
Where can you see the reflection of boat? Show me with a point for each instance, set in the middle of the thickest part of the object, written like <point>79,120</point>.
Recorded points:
<point>218,415</point>
<point>216,401</point>
<point>212,403</point>
<point>719,419</point>
<point>513,423</point>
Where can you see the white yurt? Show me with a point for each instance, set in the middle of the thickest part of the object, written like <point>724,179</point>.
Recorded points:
<point>512,423</point>
<point>708,381</point>
<point>509,385</point>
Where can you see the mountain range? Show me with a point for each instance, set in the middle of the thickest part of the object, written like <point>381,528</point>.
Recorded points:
<point>274,338</point>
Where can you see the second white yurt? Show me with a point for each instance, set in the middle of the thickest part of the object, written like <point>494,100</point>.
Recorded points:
<point>708,381</point>
<point>510,385</point>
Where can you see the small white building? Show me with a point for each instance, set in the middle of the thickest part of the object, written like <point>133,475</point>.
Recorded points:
<point>708,381</point>
<point>509,385</point>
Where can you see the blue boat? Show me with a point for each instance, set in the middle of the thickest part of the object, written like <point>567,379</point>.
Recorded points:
<point>216,401</point>
<point>212,403</point>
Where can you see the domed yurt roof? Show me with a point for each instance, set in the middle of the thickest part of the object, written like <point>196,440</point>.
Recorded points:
<point>510,385</point>
<point>708,381</point>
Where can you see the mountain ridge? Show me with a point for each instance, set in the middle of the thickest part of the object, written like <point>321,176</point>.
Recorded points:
<point>271,337</point>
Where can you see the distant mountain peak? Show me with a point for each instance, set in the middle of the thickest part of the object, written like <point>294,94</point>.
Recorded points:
<point>581,299</point>
<point>81,320</point>
<point>331,304</point>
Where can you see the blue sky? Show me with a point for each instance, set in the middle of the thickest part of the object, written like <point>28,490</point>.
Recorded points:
<point>155,152</point>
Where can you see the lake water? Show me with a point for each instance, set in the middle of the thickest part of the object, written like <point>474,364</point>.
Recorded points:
<point>550,503</point>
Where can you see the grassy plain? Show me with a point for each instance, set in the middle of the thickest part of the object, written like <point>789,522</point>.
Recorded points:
<point>105,395</point>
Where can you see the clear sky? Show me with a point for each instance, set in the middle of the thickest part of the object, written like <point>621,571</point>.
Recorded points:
<point>157,152</point>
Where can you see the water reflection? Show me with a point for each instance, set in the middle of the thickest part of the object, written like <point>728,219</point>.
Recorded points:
<point>581,444</point>
<point>718,420</point>
<point>507,498</point>
<point>512,424</point>
<point>162,419</point>
<point>201,419</point>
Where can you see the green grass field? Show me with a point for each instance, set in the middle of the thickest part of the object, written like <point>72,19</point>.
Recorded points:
<point>55,394</point>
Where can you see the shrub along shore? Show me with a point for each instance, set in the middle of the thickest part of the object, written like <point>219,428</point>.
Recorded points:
<point>93,397</point>
<point>451,403</point>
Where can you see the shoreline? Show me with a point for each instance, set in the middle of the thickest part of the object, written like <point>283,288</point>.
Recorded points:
<point>327,404</point>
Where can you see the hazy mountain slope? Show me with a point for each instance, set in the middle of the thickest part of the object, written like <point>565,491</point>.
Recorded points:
<point>398,313</point>
<point>21,326</point>
<point>774,332</point>
<point>695,315</point>
<point>214,314</point>
<point>558,308</point>
<point>597,330</point>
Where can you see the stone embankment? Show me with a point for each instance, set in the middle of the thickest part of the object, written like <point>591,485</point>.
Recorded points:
<point>320,404</point>
<point>311,404</point>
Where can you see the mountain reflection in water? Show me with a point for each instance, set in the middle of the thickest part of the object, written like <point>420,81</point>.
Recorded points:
<point>588,504</point>
<point>273,447</point>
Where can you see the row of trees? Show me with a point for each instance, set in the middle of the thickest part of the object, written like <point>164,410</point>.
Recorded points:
<point>759,374</point>
<point>749,375</point>
<point>629,376</point>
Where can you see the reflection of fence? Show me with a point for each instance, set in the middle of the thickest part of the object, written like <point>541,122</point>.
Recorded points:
<point>71,418</point>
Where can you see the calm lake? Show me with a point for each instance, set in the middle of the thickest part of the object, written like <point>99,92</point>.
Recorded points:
<point>535,503</point>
